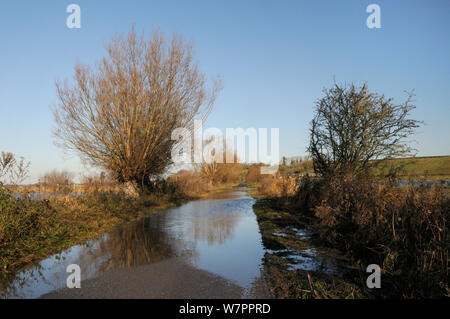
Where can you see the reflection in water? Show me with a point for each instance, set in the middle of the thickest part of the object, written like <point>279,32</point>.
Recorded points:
<point>135,244</point>
<point>237,193</point>
<point>216,229</point>
<point>219,234</point>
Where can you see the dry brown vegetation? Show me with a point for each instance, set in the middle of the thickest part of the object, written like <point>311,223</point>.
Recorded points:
<point>222,173</point>
<point>190,181</point>
<point>403,229</point>
<point>91,183</point>
<point>194,182</point>
<point>278,186</point>
<point>57,182</point>
<point>254,175</point>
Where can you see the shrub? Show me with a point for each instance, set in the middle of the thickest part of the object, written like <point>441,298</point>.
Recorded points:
<point>229,173</point>
<point>92,183</point>
<point>22,223</point>
<point>189,182</point>
<point>60,182</point>
<point>352,126</point>
<point>254,174</point>
<point>280,186</point>
<point>403,229</point>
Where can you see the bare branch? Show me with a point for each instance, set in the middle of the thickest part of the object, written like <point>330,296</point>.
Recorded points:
<point>352,127</point>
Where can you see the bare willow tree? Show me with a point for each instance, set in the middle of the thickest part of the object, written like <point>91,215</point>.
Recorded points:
<point>352,127</point>
<point>12,169</point>
<point>120,115</point>
<point>7,161</point>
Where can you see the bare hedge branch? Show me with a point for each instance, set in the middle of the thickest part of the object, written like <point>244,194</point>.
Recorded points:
<point>352,126</point>
<point>12,170</point>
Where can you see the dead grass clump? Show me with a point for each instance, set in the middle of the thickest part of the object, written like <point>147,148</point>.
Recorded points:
<point>278,187</point>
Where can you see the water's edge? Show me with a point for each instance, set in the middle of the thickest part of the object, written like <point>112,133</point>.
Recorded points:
<point>218,234</point>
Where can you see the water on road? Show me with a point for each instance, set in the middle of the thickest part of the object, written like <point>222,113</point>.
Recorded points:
<point>210,247</point>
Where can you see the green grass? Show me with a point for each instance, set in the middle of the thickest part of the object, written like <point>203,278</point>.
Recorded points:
<point>416,168</point>
<point>433,168</point>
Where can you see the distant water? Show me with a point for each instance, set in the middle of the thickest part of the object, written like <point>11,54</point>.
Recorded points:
<point>424,183</point>
<point>35,196</point>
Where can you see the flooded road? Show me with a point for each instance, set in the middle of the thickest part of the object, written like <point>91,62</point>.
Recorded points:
<point>205,248</point>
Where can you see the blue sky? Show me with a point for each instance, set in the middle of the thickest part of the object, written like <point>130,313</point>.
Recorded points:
<point>274,57</point>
